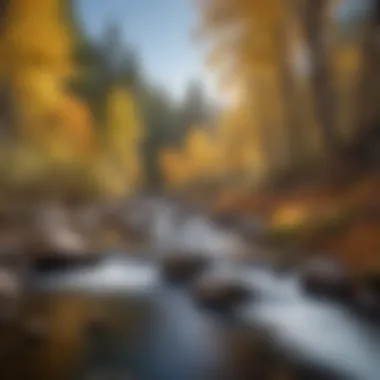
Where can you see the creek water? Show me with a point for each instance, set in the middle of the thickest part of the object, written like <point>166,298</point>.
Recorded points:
<point>154,331</point>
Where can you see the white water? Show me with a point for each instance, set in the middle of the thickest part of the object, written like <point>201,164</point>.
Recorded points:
<point>325,335</point>
<point>116,275</point>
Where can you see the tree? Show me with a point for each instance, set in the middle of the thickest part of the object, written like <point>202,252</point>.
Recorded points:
<point>122,137</point>
<point>313,18</point>
<point>362,149</point>
<point>158,117</point>
<point>286,41</point>
<point>369,84</point>
<point>37,61</point>
<point>250,50</point>
<point>6,103</point>
<point>193,110</point>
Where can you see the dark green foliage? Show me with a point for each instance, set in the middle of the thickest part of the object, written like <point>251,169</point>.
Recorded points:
<point>110,61</point>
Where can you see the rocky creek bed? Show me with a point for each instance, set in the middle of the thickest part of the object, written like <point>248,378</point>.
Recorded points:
<point>121,317</point>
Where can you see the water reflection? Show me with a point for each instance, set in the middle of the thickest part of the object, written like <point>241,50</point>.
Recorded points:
<point>152,331</point>
<point>182,343</point>
<point>71,349</point>
<point>155,331</point>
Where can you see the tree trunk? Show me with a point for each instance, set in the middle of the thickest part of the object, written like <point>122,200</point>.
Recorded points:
<point>287,86</point>
<point>364,142</point>
<point>7,111</point>
<point>369,85</point>
<point>313,13</point>
<point>265,130</point>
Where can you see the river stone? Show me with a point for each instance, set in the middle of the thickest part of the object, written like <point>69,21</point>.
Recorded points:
<point>367,296</point>
<point>63,262</point>
<point>326,277</point>
<point>182,267</point>
<point>219,294</point>
<point>53,233</point>
<point>57,247</point>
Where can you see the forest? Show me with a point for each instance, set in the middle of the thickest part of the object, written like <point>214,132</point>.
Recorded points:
<point>80,110</point>
<point>150,236</point>
<point>297,144</point>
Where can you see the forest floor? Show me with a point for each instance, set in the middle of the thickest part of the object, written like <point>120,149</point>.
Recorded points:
<point>345,222</point>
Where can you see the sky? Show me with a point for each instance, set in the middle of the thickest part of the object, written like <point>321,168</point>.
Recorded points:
<point>161,30</point>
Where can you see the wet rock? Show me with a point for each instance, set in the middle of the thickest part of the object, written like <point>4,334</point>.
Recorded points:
<point>219,295</point>
<point>56,262</point>
<point>183,267</point>
<point>52,242</point>
<point>58,248</point>
<point>367,297</point>
<point>304,370</point>
<point>326,277</point>
<point>61,240</point>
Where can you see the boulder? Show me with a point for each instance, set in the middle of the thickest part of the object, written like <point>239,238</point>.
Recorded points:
<point>182,267</point>
<point>367,297</point>
<point>219,295</point>
<point>59,262</point>
<point>58,249</point>
<point>326,277</point>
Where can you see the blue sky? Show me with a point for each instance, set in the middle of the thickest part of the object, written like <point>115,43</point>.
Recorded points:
<point>161,30</point>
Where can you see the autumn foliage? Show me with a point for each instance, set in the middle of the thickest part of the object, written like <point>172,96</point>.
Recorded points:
<point>54,126</point>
